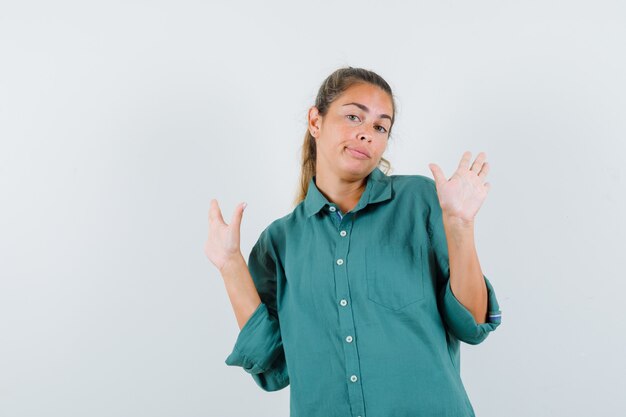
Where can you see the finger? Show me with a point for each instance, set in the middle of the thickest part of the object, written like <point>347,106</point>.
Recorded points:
<point>235,224</point>
<point>438,174</point>
<point>483,171</point>
<point>464,164</point>
<point>215,215</point>
<point>237,215</point>
<point>478,162</point>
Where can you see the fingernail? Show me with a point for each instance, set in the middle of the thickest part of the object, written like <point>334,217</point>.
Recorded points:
<point>244,205</point>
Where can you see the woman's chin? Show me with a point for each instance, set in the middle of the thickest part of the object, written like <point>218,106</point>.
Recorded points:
<point>357,168</point>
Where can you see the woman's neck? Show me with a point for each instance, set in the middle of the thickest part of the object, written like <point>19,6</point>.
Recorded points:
<point>344,193</point>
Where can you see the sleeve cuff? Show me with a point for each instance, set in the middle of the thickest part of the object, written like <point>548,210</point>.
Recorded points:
<point>461,322</point>
<point>258,342</point>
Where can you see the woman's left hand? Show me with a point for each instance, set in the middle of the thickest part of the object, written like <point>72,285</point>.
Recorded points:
<point>462,195</point>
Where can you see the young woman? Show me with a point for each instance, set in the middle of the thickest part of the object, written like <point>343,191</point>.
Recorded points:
<point>359,298</point>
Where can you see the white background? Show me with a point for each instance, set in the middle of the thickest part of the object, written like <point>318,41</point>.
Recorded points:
<point>119,121</point>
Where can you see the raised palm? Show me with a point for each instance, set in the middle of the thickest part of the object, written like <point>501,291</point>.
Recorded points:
<point>222,243</point>
<point>462,195</point>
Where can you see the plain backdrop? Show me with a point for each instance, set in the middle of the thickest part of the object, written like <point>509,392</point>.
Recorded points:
<point>121,120</point>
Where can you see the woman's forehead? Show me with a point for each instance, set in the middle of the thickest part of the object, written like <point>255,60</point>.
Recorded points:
<point>369,99</point>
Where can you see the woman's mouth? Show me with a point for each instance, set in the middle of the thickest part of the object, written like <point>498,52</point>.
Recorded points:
<point>357,154</point>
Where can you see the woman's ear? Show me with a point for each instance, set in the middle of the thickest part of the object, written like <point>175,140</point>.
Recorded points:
<point>314,121</point>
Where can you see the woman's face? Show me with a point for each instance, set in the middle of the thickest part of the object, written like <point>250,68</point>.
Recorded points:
<point>353,135</point>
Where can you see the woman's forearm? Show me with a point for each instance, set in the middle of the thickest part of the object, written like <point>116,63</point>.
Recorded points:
<point>243,295</point>
<point>466,276</point>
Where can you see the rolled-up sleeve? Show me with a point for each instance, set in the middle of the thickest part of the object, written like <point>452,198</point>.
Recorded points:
<point>458,319</point>
<point>259,347</point>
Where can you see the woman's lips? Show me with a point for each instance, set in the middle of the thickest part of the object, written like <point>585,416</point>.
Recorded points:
<point>357,154</point>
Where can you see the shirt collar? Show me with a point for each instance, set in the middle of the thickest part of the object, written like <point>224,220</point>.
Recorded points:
<point>378,189</point>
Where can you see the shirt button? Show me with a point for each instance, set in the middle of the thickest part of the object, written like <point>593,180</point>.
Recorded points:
<point>343,302</point>
<point>349,339</point>
<point>353,378</point>
<point>339,261</point>
<point>332,208</point>
<point>343,233</point>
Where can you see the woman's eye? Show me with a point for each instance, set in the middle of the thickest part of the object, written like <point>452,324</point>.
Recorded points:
<point>382,127</point>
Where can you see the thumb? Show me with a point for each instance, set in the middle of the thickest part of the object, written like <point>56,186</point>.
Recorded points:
<point>437,173</point>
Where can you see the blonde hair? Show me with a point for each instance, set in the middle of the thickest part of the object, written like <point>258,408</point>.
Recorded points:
<point>330,90</point>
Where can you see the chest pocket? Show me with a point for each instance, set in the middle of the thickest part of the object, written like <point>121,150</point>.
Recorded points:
<point>395,275</point>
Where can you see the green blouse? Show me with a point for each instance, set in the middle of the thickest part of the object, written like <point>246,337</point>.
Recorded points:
<point>357,314</point>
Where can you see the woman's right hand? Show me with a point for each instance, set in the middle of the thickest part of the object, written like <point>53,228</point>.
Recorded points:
<point>222,245</point>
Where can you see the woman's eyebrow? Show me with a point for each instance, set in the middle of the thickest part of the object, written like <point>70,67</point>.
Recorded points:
<point>365,109</point>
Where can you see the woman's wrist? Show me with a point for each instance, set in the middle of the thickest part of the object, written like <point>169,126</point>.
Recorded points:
<point>232,266</point>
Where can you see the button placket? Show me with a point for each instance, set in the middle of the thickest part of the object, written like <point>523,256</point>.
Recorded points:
<point>346,320</point>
